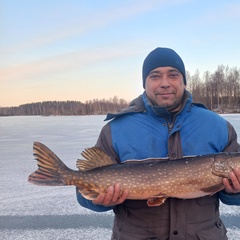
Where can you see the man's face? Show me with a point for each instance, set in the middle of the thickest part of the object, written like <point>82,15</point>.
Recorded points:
<point>165,88</point>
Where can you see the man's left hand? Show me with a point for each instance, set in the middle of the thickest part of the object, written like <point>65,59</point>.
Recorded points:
<point>233,185</point>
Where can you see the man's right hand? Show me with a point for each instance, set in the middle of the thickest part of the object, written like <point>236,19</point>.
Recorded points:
<point>112,197</point>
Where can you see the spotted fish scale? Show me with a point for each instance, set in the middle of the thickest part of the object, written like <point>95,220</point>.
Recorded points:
<point>153,179</point>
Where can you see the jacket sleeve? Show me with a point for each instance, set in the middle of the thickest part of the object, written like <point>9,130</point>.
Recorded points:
<point>229,199</point>
<point>103,142</point>
<point>89,204</point>
<point>232,146</point>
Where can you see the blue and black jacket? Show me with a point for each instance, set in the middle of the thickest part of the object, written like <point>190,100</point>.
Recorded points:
<point>143,131</point>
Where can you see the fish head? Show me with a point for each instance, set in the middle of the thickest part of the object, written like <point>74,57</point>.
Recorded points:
<point>224,163</point>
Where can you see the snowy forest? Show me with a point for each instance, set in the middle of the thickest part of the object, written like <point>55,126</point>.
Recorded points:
<point>66,108</point>
<point>219,91</point>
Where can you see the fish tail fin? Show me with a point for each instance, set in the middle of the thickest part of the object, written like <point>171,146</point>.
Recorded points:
<point>49,169</point>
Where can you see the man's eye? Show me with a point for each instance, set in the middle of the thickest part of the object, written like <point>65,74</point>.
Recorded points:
<point>154,76</point>
<point>174,74</point>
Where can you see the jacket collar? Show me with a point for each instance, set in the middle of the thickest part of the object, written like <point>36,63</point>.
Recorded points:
<point>135,106</point>
<point>162,111</point>
<point>143,104</point>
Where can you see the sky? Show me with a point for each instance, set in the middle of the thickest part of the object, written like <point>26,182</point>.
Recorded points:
<point>59,50</point>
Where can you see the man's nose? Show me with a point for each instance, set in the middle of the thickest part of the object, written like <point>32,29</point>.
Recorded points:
<point>164,82</point>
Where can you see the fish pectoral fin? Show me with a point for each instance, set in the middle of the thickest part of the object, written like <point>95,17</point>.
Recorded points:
<point>88,194</point>
<point>156,201</point>
<point>213,189</point>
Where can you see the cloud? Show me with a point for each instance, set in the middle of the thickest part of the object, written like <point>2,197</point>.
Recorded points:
<point>66,62</point>
<point>87,23</point>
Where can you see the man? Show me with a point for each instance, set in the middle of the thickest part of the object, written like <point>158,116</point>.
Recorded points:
<point>165,122</point>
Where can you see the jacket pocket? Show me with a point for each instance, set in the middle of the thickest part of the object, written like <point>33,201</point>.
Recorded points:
<point>218,231</point>
<point>208,200</point>
<point>203,210</point>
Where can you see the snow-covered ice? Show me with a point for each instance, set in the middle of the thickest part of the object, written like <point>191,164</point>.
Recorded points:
<point>32,212</point>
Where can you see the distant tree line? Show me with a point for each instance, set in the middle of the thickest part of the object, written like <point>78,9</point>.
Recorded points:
<point>219,91</point>
<point>65,108</point>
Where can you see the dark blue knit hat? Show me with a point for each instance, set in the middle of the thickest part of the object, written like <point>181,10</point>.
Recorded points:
<point>162,57</point>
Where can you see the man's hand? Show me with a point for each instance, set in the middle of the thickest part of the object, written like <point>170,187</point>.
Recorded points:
<point>112,197</point>
<point>233,185</point>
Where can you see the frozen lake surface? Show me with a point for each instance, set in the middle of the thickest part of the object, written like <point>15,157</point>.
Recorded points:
<point>31,212</point>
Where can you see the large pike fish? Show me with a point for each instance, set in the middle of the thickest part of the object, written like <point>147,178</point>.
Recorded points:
<point>152,179</point>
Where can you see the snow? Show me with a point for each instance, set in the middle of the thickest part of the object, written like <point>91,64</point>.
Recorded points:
<point>53,234</point>
<point>33,212</point>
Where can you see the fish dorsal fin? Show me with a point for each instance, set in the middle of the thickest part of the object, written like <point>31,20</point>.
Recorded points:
<point>94,158</point>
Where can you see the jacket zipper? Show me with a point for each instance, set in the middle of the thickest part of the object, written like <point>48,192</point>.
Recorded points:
<point>170,126</point>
